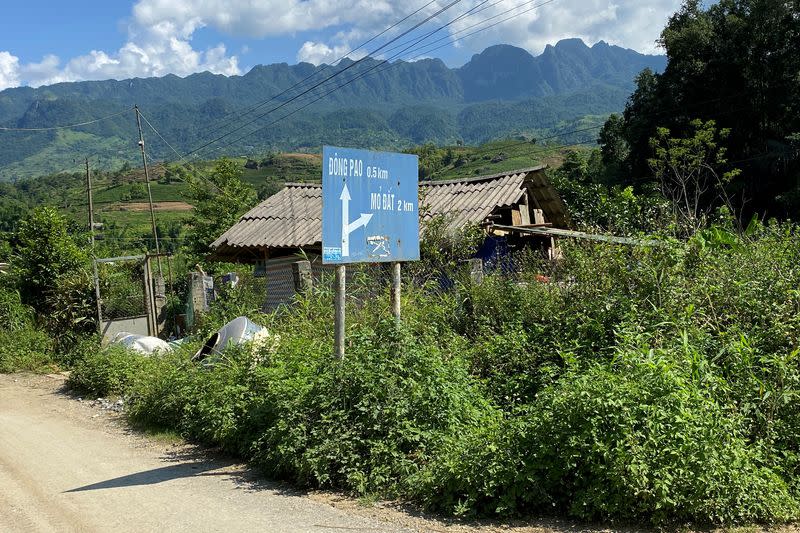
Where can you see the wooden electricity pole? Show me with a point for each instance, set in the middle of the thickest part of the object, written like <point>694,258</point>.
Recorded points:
<point>149,192</point>
<point>95,275</point>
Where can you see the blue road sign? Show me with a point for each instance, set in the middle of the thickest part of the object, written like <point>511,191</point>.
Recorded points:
<point>369,206</point>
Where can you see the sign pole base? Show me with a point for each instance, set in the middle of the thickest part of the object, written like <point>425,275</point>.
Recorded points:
<point>338,322</point>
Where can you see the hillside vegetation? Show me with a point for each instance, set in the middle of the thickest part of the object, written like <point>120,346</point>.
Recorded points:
<point>500,92</point>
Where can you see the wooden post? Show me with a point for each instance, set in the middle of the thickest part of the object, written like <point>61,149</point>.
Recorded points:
<point>95,274</point>
<point>160,301</point>
<point>301,272</point>
<point>149,300</point>
<point>149,192</point>
<point>338,322</point>
<point>476,270</point>
<point>396,283</point>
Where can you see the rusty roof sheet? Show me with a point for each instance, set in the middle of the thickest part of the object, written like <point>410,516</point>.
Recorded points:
<point>292,218</point>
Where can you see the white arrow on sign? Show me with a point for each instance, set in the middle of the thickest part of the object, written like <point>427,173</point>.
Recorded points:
<point>350,227</point>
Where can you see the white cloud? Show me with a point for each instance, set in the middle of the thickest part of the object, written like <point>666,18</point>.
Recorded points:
<point>9,70</point>
<point>628,23</point>
<point>318,53</point>
<point>267,17</point>
<point>160,32</point>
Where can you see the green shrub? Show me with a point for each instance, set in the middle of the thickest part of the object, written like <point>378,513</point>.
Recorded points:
<point>14,315</point>
<point>25,349</point>
<point>109,371</point>
<point>158,395</point>
<point>366,423</point>
<point>657,384</point>
<point>636,439</point>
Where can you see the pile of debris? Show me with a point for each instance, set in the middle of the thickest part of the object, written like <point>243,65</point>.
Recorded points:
<point>236,332</point>
<point>108,405</point>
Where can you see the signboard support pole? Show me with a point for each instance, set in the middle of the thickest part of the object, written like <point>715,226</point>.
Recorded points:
<point>338,323</point>
<point>396,291</point>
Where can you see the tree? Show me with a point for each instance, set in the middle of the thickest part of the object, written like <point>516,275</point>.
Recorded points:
<point>734,62</point>
<point>690,171</point>
<point>219,200</point>
<point>614,149</point>
<point>594,205</point>
<point>51,269</point>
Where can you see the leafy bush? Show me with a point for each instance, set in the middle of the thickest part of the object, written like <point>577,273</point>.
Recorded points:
<point>368,422</point>
<point>50,270</point>
<point>109,371</point>
<point>25,349</point>
<point>14,315</point>
<point>159,392</point>
<point>637,439</point>
<point>622,383</point>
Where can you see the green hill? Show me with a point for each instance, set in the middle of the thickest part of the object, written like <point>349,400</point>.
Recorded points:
<point>500,92</point>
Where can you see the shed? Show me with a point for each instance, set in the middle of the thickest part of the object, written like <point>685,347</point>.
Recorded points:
<point>272,234</point>
<point>291,220</point>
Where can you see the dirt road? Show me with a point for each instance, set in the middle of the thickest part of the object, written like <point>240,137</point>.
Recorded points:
<point>66,466</point>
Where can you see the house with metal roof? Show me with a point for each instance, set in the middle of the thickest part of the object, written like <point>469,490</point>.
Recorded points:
<point>273,233</point>
<point>291,219</point>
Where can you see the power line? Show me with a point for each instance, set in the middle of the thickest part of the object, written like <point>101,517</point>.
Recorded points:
<point>391,65</point>
<point>429,50</point>
<point>182,158</point>
<point>416,41</point>
<point>316,99</point>
<point>53,128</point>
<point>386,66</point>
<point>316,72</point>
<point>484,8</point>
<point>335,74</point>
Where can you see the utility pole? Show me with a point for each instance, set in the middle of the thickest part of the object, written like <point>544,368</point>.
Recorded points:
<point>95,275</point>
<point>149,192</point>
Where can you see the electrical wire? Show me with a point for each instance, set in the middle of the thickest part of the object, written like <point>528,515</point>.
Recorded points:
<point>53,128</point>
<point>317,98</point>
<point>335,74</point>
<point>476,9</point>
<point>316,72</point>
<point>477,23</point>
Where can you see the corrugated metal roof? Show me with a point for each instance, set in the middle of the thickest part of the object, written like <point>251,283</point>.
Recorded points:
<point>292,218</point>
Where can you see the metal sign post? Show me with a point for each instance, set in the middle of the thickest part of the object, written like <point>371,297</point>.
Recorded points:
<point>396,281</point>
<point>370,214</point>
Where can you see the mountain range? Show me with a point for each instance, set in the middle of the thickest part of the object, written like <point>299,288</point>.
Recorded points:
<point>502,91</point>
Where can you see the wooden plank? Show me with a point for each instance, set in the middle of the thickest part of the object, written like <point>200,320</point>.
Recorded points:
<point>516,217</point>
<point>525,215</point>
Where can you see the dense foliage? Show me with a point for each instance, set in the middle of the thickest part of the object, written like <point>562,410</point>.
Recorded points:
<point>655,383</point>
<point>734,62</point>
<point>219,199</point>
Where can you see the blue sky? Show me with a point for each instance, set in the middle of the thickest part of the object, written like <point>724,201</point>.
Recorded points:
<point>48,41</point>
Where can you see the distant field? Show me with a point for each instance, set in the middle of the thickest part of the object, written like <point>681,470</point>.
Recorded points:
<point>145,206</point>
